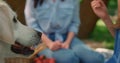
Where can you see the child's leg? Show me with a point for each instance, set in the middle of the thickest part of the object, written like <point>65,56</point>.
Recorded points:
<point>86,54</point>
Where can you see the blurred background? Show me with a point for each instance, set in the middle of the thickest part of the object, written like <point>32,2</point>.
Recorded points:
<point>92,30</point>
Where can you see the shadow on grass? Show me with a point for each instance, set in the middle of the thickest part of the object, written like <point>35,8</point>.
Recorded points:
<point>101,34</point>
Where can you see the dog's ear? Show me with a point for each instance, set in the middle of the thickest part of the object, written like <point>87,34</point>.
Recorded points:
<point>6,25</point>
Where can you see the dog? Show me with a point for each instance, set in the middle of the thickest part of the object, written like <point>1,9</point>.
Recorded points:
<point>12,31</point>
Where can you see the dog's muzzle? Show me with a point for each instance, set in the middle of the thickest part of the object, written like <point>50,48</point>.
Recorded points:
<point>20,49</point>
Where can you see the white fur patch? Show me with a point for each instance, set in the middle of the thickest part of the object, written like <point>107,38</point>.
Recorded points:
<point>6,29</point>
<point>11,32</point>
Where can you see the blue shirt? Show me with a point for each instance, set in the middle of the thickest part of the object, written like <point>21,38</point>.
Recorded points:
<point>57,17</point>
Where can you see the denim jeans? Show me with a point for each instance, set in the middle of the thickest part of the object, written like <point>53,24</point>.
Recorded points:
<point>78,52</point>
<point>116,56</point>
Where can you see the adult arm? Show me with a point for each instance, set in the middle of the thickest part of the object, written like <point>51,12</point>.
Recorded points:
<point>74,26</point>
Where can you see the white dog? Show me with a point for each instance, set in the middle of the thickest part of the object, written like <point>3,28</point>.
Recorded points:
<point>12,30</point>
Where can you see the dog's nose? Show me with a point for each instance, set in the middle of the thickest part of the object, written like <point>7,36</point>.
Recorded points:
<point>39,33</point>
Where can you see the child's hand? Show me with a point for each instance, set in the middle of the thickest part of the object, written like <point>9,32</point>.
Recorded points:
<point>99,8</point>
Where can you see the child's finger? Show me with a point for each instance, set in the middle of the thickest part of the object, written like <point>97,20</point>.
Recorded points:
<point>95,4</point>
<point>102,3</point>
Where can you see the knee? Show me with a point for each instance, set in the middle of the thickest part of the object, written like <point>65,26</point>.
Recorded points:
<point>81,50</point>
<point>65,56</point>
<point>100,58</point>
<point>87,55</point>
<point>96,59</point>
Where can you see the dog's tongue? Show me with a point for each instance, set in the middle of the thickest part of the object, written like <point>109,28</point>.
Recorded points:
<point>20,49</point>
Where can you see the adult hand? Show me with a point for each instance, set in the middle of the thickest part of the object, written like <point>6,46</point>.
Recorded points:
<point>99,8</point>
<point>55,45</point>
<point>65,45</point>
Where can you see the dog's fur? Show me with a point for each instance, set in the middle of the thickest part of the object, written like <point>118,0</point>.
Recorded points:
<point>12,30</point>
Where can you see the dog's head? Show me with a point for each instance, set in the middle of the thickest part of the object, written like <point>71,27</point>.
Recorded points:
<point>12,30</point>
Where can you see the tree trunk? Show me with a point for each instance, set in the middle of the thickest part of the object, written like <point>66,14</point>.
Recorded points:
<point>88,19</point>
<point>18,7</point>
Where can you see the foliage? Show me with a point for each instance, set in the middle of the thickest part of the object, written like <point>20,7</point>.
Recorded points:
<point>81,1</point>
<point>101,34</point>
<point>112,6</point>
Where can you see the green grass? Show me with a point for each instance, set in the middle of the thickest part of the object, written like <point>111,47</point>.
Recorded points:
<point>101,34</point>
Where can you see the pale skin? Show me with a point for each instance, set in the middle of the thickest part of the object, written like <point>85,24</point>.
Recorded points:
<point>56,45</point>
<point>100,10</point>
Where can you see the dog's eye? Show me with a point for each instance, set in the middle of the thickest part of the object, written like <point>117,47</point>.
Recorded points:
<point>14,20</point>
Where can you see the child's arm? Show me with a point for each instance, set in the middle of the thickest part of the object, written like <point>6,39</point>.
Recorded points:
<point>100,10</point>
